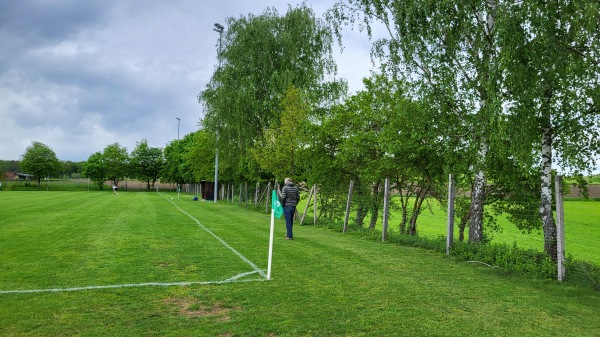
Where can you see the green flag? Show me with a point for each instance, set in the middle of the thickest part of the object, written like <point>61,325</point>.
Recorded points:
<point>276,205</point>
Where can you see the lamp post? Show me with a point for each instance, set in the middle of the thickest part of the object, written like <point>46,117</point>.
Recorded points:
<point>178,122</point>
<point>219,29</point>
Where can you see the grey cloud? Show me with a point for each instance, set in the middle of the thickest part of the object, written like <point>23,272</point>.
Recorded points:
<point>78,75</point>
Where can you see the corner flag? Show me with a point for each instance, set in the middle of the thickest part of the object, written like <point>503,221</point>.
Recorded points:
<point>276,205</point>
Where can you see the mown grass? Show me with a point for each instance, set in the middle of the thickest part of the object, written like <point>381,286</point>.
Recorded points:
<point>324,283</point>
<point>582,230</point>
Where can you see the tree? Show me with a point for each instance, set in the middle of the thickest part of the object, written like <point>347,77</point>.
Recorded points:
<point>146,163</point>
<point>447,52</point>
<point>95,169</point>
<point>553,76</point>
<point>262,56</point>
<point>277,153</point>
<point>72,169</point>
<point>199,156</point>
<point>358,124</point>
<point>40,161</point>
<point>384,133</point>
<point>10,165</point>
<point>176,169</point>
<point>116,162</point>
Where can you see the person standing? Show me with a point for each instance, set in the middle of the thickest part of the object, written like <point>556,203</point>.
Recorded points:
<point>115,190</point>
<point>290,195</point>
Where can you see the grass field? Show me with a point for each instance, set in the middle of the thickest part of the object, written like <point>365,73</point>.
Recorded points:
<point>582,229</point>
<point>139,264</point>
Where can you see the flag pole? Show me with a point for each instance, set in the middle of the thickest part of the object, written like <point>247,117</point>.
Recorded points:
<point>271,244</point>
<point>276,211</point>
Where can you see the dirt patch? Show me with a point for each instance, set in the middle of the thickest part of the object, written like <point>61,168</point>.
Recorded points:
<point>194,308</point>
<point>594,190</point>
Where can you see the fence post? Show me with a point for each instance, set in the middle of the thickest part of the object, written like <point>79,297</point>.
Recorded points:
<point>307,204</point>
<point>386,212</point>
<point>256,192</point>
<point>560,229</point>
<point>451,191</point>
<point>348,203</point>
<point>267,201</point>
<point>315,206</point>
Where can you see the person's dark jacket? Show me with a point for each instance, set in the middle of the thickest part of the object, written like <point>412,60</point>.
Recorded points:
<point>290,195</point>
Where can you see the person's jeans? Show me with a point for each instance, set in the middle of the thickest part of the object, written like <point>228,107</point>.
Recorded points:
<point>288,213</point>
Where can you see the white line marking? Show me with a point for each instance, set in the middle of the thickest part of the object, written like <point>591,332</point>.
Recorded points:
<point>255,267</point>
<point>234,279</point>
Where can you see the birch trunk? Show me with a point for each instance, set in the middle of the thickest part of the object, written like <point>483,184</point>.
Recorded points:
<point>478,196</point>
<point>548,223</point>
<point>479,185</point>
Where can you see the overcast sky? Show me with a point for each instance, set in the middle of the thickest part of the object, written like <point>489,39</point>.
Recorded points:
<point>80,75</point>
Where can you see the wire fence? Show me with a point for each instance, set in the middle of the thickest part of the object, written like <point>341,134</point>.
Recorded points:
<point>81,184</point>
<point>439,214</point>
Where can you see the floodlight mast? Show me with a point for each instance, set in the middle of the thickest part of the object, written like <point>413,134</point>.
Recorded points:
<point>178,122</point>
<point>219,29</point>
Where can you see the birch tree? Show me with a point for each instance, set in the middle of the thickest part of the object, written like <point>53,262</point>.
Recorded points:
<point>553,75</point>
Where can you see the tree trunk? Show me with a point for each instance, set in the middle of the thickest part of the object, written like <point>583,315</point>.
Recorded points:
<point>478,197</point>
<point>548,223</point>
<point>404,198</point>
<point>374,206</point>
<point>404,217</point>
<point>421,195</point>
<point>360,211</point>
<point>462,225</point>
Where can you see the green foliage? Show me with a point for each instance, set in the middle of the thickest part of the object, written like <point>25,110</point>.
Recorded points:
<point>199,156</point>
<point>40,161</point>
<point>278,151</point>
<point>517,82</point>
<point>507,258</point>
<point>9,165</point>
<point>116,162</point>
<point>113,164</point>
<point>146,163</point>
<point>176,168</point>
<point>261,57</point>
<point>95,169</point>
<point>72,169</point>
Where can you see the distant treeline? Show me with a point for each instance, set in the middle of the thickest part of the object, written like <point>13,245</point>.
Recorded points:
<point>70,169</point>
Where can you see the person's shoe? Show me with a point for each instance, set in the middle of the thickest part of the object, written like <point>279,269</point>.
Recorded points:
<point>287,238</point>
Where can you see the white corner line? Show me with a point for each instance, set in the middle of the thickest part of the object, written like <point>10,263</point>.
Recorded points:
<point>255,267</point>
<point>234,279</point>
